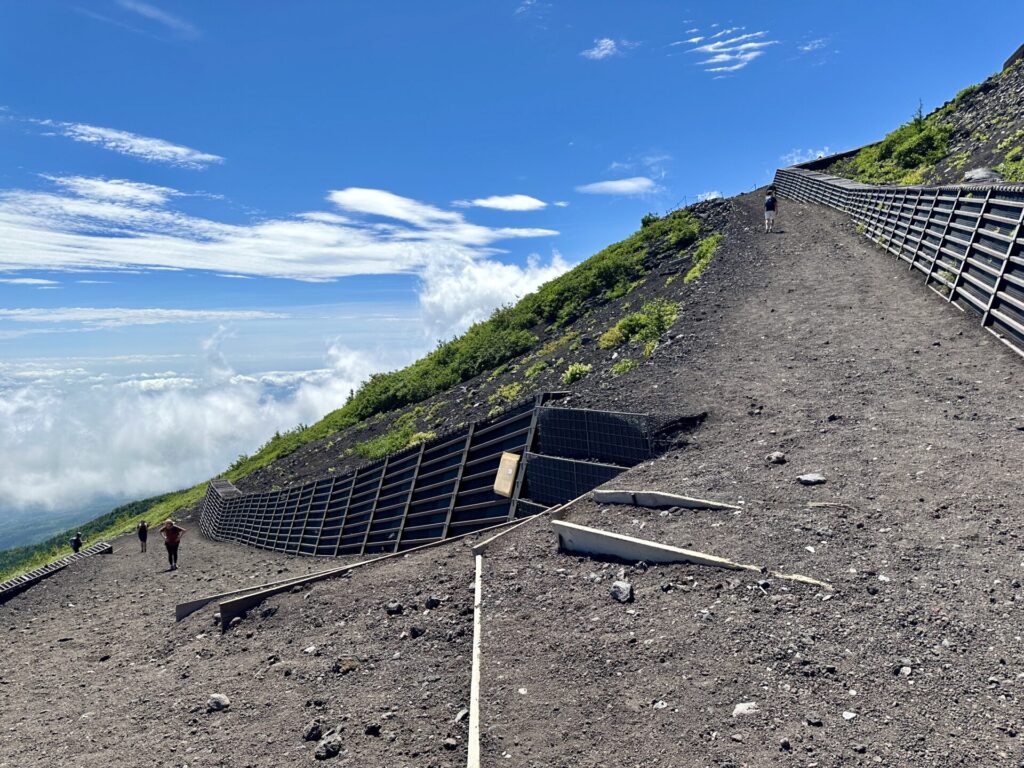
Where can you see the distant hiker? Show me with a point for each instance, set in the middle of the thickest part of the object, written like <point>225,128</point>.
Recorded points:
<point>76,542</point>
<point>172,537</point>
<point>769,210</point>
<point>143,532</point>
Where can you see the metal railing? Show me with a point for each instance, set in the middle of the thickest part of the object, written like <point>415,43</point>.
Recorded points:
<point>438,490</point>
<point>967,241</point>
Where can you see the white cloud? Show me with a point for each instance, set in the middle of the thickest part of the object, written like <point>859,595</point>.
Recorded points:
<point>561,204</point>
<point>27,281</point>
<point>637,185</point>
<point>154,432</point>
<point>813,45</point>
<point>114,189</point>
<point>606,47</point>
<point>734,53</point>
<point>134,145</point>
<point>797,156</point>
<point>84,228</point>
<point>116,317</point>
<point>456,294</point>
<point>151,12</point>
<point>504,203</point>
<point>711,195</point>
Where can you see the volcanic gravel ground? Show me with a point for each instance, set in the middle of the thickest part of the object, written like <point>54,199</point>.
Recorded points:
<point>96,673</point>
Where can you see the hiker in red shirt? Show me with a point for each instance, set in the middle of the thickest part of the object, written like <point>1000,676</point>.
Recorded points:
<point>172,537</point>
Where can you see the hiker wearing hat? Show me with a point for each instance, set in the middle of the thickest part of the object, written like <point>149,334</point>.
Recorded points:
<point>76,542</point>
<point>172,534</point>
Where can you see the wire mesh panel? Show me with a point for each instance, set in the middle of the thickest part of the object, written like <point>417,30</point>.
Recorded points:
<point>613,438</point>
<point>552,480</point>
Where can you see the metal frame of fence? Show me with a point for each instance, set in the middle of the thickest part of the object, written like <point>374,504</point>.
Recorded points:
<point>967,241</point>
<point>431,492</point>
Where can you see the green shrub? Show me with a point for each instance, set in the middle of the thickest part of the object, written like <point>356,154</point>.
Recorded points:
<point>653,319</point>
<point>902,157</point>
<point>575,372</point>
<point>648,219</point>
<point>702,256</point>
<point>534,369</point>
<point>623,366</point>
<point>508,393</point>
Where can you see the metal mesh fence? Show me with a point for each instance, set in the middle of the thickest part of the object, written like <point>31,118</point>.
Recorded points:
<point>552,480</point>
<point>967,241</point>
<point>437,490</point>
<point>613,438</point>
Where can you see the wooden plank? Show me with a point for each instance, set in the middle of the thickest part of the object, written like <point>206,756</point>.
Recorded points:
<point>656,499</point>
<point>473,741</point>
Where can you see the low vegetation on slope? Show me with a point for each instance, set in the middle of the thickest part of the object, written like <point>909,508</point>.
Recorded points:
<point>981,127</point>
<point>521,348</point>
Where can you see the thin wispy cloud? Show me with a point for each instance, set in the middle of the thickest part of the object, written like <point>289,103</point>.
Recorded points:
<point>797,156</point>
<point>637,185</point>
<point>504,203</point>
<point>132,144</point>
<point>710,195</point>
<point>80,226</point>
<point>726,54</point>
<point>36,281</point>
<point>119,317</point>
<point>151,12</point>
<point>114,189</point>
<point>606,47</point>
<point>813,45</point>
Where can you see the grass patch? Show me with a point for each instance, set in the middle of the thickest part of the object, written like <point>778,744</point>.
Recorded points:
<point>575,372</point>
<point>623,366</point>
<point>535,369</point>
<point>904,156</point>
<point>702,256</point>
<point>647,325</point>
<point>508,393</point>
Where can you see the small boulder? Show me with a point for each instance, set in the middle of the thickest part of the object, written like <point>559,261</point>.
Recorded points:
<point>622,591</point>
<point>394,608</point>
<point>345,665</point>
<point>330,746</point>
<point>217,702</point>
<point>235,622</point>
<point>775,457</point>
<point>415,632</point>
<point>461,715</point>
<point>811,478</point>
<point>451,743</point>
<point>373,729</point>
<point>313,731</point>
<point>745,708</point>
<point>432,603</point>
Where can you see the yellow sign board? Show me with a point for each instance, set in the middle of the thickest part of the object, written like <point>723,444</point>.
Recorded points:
<point>505,481</point>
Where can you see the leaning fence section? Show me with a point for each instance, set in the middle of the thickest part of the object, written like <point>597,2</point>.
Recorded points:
<point>439,489</point>
<point>966,241</point>
<point>20,583</point>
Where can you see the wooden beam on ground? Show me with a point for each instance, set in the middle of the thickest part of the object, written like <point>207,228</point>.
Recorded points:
<point>473,751</point>
<point>581,539</point>
<point>239,601</point>
<point>656,499</point>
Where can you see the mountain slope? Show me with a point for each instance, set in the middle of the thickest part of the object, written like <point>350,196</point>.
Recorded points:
<point>982,127</point>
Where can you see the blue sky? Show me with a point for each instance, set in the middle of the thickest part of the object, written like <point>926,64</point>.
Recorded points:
<point>217,218</point>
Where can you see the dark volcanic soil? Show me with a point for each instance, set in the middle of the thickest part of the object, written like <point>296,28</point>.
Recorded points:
<point>808,342</point>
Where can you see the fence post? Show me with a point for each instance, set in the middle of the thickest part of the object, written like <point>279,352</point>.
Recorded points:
<point>408,500</point>
<point>458,479</point>
<point>521,471</point>
<point>327,505</point>
<point>1018,230</point>
<point>970,243</point>
<point>373,507</point>
<point>344,515</point>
